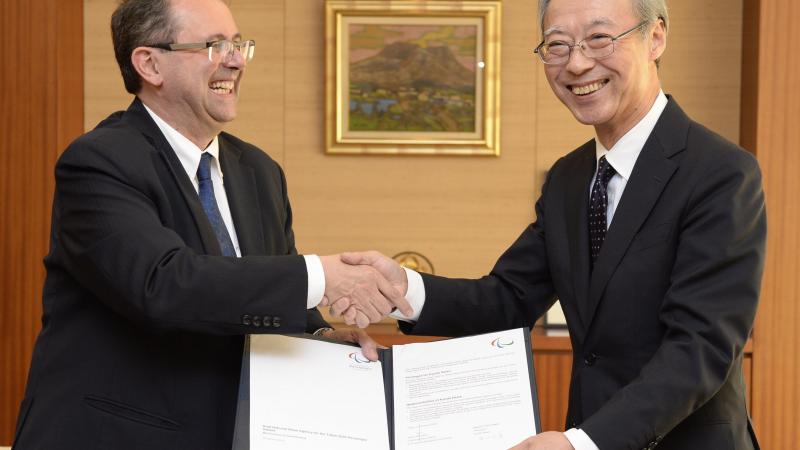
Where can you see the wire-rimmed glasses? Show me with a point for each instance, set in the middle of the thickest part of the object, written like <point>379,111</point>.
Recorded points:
<point>218,51</point>
<point>596,46</point>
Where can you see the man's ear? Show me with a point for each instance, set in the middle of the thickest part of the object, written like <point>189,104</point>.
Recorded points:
<point>658,40</point>
<point>146,62</point>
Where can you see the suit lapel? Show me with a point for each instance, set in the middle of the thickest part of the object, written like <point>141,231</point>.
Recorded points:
<point>242,193</point>
<point>651,173</point>
<point>138,116</point>
<point>578,228</point>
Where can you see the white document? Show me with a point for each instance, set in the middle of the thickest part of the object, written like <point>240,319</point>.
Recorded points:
<point>307,394</point>
<point>472,392</point>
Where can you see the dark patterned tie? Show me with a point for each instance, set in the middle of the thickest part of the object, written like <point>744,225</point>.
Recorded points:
<point>206,192</point>
<point>598,205</point>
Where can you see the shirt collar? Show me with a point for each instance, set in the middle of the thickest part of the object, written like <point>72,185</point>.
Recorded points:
<point>188,153</point>
<point>622,156</point>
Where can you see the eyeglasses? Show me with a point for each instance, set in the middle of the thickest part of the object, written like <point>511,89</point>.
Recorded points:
<point>218,51</point>
<point>596,46</point>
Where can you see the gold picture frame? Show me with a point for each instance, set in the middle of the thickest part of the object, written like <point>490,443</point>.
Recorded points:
<point>412,77</point>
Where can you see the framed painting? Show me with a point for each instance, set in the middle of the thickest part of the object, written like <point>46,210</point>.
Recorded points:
<point>413,77</point>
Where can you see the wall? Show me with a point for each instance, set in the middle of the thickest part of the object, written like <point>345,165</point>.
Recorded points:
<point>40,112</point>
<point>776,352</point>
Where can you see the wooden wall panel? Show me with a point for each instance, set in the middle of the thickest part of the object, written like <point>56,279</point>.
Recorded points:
<point>748,122</point>
<point>776,363</point>
<point>40,112</point>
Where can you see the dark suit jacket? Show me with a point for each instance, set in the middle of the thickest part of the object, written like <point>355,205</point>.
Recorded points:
<point>658,326</point>
<point>143,321</point>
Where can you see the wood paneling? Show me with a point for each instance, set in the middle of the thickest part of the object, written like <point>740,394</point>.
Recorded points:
<point>776,363</point>
<point>748,123</point>
<point>40,112</point>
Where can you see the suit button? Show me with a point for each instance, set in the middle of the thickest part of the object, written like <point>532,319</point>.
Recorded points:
<point>276,322</point>
<point>256,321</point>
<point>267,321</point>
<point>590,359</point>
<point>246,320</point>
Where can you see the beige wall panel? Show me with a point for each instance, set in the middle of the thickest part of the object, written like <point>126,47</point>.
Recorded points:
<point>703,61</point>
<point>261,103</point>
<point>104,91</point>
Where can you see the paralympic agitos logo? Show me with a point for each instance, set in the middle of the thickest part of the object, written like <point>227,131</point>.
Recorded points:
<point>359,358</point>
<point>500,343</point>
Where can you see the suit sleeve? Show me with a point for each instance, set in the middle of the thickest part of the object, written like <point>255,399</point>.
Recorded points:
<point>314,319</point>
<point>112,238</point>
<point>516,292</point>
<point>707,312</point>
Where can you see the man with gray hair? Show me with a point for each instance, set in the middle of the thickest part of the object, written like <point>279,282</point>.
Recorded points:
<point>652,236</point>
<point>157,268</point>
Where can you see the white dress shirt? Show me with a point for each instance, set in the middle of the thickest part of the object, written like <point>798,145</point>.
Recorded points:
<point>622,157</point>
<point>189,155</point>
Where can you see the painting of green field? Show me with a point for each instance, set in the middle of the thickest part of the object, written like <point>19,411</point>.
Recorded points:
<point>412,77</point>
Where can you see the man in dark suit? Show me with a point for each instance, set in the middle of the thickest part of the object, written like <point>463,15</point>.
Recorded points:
<point>652,236</point>
<point>157,269</point>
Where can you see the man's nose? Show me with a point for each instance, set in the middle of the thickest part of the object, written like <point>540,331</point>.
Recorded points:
<point>234,60</point>
<point>578,62</point>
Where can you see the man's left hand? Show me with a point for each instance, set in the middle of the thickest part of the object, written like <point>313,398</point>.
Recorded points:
<point>550,440</point>
<point>356,336</point>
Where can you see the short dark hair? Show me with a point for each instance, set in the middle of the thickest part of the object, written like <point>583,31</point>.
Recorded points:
<point>136,23</point>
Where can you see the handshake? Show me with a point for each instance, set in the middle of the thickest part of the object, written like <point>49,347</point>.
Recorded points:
<point>364,287</point>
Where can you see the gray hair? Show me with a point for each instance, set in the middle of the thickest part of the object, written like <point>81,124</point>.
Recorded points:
<point>646,10</point>
<point>137,23</point>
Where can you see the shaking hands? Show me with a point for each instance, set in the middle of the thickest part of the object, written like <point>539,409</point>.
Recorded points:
<point>364,287</point>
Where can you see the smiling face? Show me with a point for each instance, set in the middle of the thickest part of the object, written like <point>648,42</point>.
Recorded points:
<point>615,92</point>
<point>196,96</point>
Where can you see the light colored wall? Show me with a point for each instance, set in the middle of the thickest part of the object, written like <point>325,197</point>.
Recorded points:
<point>461,212</point>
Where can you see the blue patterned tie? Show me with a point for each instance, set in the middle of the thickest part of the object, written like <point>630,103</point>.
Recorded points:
<point>206,192</point>
<point>598,205</point>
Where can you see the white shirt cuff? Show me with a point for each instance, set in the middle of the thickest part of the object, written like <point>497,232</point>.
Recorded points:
<point>580,440</point>
<point>415,296</point>
<point>316,281</point>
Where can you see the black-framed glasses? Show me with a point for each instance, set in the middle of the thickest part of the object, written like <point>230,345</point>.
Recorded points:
<point>217,50</point>
<point>596,46</point>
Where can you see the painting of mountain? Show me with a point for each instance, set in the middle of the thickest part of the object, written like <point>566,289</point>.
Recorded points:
<point>412,77</point>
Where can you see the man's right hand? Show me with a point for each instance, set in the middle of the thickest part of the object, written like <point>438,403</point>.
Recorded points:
<point>361,290</point>
<point>386,267</point>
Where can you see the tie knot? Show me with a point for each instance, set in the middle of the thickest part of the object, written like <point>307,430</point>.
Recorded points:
<point>604,171</point>
<point>204,169</point>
